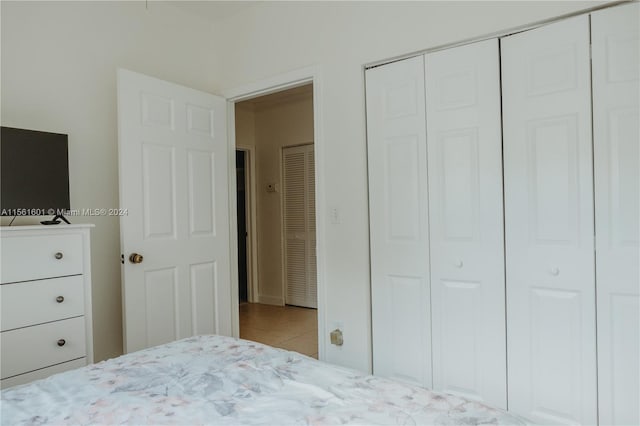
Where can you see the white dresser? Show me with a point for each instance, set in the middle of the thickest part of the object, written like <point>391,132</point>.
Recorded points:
<point>45,295</point>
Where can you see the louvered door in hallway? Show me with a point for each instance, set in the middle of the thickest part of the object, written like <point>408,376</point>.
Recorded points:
<point>299,226</point>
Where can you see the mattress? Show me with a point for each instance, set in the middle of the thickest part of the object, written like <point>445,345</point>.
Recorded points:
<point>226,381</point>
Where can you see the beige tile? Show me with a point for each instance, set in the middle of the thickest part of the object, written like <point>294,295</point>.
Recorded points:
<point>297,328</point>
<point>288,327</point>
<point>306,344</point>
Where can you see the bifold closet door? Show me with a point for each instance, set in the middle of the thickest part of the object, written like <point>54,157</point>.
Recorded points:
<point>464,144</point>
<point>399,240</point>
<point>299,226</point>
<point>549,229</point>
<point>615,34</point>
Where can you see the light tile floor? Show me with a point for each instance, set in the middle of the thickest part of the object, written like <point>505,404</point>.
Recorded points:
<point>287,327</point>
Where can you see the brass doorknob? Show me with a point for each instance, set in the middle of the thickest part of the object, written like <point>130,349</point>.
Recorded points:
<point>136,258</point>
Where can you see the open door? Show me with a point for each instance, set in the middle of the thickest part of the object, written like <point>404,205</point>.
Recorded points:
<point>172,144</point>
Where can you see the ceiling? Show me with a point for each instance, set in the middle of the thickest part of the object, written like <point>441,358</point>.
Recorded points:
<point>212,10</point>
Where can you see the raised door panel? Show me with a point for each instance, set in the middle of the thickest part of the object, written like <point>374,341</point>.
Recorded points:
<point>161,294</point>
<point>548,178</point>
<point>158,191</point>
<point>396,145</point>
<point>615,34</point>
<point>204,289</point>
<point>202,184</point>
<point>465,218</point>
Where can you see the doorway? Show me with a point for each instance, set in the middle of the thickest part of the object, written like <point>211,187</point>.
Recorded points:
<point>271,125</point>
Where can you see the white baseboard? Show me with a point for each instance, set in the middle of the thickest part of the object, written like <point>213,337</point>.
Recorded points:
<point>271,300</point>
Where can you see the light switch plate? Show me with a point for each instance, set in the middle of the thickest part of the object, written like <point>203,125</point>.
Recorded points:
<point>335,215</point>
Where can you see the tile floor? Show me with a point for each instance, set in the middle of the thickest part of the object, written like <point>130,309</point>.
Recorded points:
<point>287,327</point>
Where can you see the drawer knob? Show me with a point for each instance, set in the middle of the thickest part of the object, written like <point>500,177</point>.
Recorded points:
<point>60,299</point>
<point>59,255</point>
<point>61,342</point>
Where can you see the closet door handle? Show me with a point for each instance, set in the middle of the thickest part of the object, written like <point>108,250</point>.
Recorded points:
<point>59,255</point>
<point>555,272</point>
<point>60,299</point>
<point>61,342</point>
<point>458,264</point>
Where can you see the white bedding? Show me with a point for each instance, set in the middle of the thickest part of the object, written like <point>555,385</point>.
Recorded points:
<point>226,381</point>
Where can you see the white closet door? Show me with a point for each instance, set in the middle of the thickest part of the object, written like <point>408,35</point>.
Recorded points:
<point>396,142</point>
<point>464,144</point>
<point>615,36</point>
<point>548,176</point>
<point>299,226</point>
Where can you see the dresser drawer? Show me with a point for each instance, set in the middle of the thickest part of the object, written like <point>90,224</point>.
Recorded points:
<point>28,349</point>
<point>36,302</point>
<point>42,373</point>
<point>44,256</point>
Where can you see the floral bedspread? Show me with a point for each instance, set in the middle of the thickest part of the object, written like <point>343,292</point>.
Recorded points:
<point>226,381</point>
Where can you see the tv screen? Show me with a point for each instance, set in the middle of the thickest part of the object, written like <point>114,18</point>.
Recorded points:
<point>35,172</point>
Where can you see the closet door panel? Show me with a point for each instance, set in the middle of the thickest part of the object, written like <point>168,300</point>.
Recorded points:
<point>466,221</point>
<point>548,173</point>
<point>615,34</point>
<point>396,143</point>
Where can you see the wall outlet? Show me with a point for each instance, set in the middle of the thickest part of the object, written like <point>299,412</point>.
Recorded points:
<point>336,337</point>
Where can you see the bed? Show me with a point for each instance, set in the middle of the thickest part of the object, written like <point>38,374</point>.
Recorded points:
<point>227,381</point>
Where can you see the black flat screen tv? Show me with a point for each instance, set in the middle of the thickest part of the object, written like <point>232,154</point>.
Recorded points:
<point>34,172</point>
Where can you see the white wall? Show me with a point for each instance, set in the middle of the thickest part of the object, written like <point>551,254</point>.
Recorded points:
<point>339,38</point>
<point>274,125</point>
<point>245,125</point>
<point>59,64</point>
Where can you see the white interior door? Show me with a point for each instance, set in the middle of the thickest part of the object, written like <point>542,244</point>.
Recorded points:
<point>548,176</point>
<point>615,35</point>
<point>398,220</point>
<point>464,143</point>
<point>174,183</point>
<point>300,226</point>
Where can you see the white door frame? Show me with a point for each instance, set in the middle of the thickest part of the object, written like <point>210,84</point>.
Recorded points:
<point>263,87</point>
<point>251,218</point>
